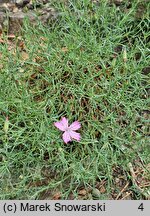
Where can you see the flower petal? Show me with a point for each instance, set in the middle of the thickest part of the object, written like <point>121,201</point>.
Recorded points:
<point>64,121</point>
<point>62,125</point>
<point>74,135</point>
<point>66,137</point>
<point>59,125</point>
<point>75,125</point>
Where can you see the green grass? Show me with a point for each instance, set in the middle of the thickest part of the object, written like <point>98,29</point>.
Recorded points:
<point>72,68</point>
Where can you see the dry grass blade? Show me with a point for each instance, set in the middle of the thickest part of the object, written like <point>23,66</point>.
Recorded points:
<point>134,181</point>
<point>124,188</point>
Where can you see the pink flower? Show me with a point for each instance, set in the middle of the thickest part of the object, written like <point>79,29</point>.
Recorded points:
<point>69,131</point>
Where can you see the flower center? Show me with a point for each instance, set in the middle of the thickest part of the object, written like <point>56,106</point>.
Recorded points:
<point>67,129</point>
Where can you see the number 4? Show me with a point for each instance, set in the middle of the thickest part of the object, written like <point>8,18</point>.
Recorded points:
<point>141,207</point>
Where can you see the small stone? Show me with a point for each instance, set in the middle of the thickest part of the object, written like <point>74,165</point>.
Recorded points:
<point>16,21</point>
<point>96,193</point>
<point>117,180</point>
<point>22,3</point>
<point>117,2</point>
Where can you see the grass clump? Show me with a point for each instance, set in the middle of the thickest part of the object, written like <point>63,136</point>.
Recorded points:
<point>76,68</point>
